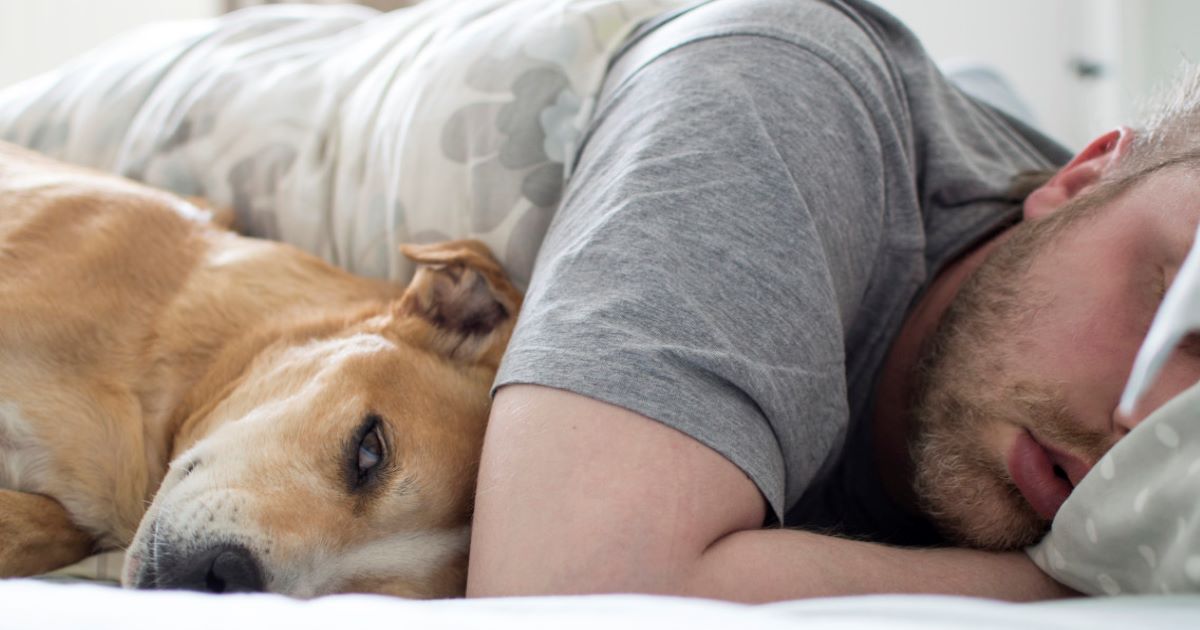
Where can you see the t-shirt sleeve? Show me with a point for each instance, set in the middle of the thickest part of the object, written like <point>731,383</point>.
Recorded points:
<point>712,245</point>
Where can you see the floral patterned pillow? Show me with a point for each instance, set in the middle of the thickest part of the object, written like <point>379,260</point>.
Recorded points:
<point>343,130</point>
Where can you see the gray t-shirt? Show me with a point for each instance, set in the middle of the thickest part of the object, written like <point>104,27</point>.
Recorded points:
<point>766,187</point>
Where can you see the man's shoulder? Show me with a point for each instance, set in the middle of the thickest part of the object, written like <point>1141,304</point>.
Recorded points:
<point>830,24</point>
<point>857,39</point>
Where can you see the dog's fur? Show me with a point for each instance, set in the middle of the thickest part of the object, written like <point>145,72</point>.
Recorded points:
<point>322,428</point>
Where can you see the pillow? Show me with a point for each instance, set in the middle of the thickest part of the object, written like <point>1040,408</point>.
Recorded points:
<point>1132,525</point>
<point>343,130</point>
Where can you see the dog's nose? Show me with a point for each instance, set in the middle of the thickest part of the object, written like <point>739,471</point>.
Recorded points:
<point>219,569</point>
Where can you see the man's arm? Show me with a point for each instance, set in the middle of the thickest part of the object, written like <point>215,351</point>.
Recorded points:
<point>579,496</point>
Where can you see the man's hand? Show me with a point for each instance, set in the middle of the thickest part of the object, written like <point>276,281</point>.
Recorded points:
<point>579,496</point>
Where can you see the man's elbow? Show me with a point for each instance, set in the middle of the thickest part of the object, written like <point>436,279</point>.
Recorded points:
<point>577,496</point>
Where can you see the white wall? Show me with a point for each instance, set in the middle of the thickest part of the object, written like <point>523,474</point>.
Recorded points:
<point>36,35</point>
<point>1161,35</point>
<point>1034,43</point>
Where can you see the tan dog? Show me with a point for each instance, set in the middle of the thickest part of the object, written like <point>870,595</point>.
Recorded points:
<point>299,429</point>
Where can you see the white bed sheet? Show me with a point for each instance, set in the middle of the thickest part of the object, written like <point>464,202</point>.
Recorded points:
<point>33,604</point>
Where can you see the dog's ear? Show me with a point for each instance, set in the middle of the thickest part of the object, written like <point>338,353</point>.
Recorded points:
<point>461,290</point>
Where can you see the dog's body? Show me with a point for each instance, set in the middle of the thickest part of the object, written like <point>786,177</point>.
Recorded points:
<point>299,429</point>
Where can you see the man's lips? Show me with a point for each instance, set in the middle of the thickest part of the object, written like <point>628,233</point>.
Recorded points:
<point>1032,471</point>
<point>1075,467</point>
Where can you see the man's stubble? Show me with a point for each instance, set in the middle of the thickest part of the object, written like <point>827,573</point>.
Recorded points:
<point>972,386</point>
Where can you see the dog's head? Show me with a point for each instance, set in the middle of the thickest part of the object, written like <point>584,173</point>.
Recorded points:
<point>338,454</point>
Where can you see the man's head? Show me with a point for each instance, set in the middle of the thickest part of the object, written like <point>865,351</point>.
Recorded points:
<point>1019,386</point>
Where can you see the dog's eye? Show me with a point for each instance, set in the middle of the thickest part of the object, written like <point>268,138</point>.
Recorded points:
<point>371,450</point>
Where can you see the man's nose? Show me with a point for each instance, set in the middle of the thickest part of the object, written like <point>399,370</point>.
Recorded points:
<point>1179,375</point>
<point>1124,422</point>
<point>1177,316</point>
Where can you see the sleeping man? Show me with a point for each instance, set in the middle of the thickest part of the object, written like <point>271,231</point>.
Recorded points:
<point>799,329</point>
<point>806,319</point>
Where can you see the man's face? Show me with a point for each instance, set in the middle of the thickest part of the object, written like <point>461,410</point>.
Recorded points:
<point>1021,382</point>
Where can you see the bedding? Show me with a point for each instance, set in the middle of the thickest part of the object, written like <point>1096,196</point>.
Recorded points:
<point>343,130</point>
<point>102,568</point>
<point>1132,525</point>
<point>29,604</point>
<point>346,132</point>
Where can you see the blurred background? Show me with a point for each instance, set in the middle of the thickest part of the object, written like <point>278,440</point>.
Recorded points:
<point>1082,65</point>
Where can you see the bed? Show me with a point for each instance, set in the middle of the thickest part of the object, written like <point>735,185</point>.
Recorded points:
<point>30,604</point>
<point>152,106</point>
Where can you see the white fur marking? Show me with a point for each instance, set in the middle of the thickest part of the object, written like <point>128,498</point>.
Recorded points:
<point>191,212</point>
<point>414,555</point>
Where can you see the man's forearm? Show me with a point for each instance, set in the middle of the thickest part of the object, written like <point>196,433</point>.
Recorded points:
<point>770,565</point>
<point>578,496</point>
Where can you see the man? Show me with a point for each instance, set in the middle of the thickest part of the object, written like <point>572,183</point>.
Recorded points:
<point>793,332</point>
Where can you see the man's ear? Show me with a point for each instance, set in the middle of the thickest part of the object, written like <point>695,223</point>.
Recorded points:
<point>1098,159</point>
<point>464,295</point>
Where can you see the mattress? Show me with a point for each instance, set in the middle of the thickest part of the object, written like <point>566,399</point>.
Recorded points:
<point>33,604</point>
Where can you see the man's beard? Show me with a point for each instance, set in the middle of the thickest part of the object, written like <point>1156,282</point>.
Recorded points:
<point>970,387</point>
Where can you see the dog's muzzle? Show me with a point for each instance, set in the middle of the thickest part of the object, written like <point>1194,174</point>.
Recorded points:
<point>225,568</point>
